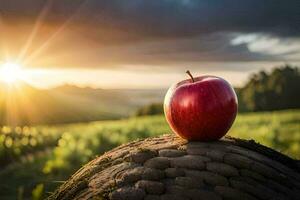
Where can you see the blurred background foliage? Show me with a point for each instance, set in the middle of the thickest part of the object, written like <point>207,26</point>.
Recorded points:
<point>276,90</point>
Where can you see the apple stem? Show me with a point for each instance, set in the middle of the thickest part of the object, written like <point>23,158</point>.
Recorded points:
<point>189,73</point>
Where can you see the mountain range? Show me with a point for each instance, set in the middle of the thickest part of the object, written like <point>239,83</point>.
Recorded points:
<point>22,104</point>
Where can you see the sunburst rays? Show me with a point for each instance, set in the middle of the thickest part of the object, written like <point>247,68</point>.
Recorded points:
<point>16,99</point>
<point>51,38</point>
<point>35,29</point>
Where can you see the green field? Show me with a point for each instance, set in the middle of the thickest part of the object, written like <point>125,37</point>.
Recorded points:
<point>35,160</point>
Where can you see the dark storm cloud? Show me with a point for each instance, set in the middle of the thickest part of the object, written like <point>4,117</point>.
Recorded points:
<point>157,32</point>
<point>171,17</point>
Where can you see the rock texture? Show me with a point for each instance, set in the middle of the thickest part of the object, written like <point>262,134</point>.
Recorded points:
<point>170,168</point>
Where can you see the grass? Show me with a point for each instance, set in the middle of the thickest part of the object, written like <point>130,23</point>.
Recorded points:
<point>279,130</point>
<point>34,160</point>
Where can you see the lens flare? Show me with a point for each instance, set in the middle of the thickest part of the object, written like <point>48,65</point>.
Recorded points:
<point>11,72</point>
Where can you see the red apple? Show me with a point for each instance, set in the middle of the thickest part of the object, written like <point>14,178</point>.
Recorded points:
<point>201,108</point>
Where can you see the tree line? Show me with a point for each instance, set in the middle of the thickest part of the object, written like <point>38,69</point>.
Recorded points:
<point>279,89</point>
<point>276,90</point>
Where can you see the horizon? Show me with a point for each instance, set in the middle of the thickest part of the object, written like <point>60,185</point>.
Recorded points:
<point>52,78</point>
<point>34,82</point>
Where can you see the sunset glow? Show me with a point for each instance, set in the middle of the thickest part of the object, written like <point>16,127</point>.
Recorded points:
<point>11,72</point>
<point>85,47</point>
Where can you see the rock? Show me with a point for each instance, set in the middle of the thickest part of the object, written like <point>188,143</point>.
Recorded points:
<point>153,174</point>
<point>250,189</point>
<point>208,177</point>
<point>202,195</point>
<point>151,187</point>
<point>141,156</point>
<point>252,174</point>
<point>189,182</point>
<point>221,168</point>
<point>170,168</point>
<point>174,172</point>
<point>175,189</point>
<point>197,151</point>
<point>267,171</point>
<point>190,162</point>
<point>128,193</point>
<point>237,160</point>
<point>152,197</point>
<point>172,197</point>
<point>131,176</point>
<point>230,193</point>
<point>171,153</point>
<point>158,163</point>
<point>215,154</point>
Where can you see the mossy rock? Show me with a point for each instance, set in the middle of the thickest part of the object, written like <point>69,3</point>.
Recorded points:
<point>169,167</point>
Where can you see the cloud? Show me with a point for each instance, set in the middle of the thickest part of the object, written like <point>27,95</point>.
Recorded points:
<point>284,48</point>
<point>166,18</point>
<point>169,53</point>
<point>114,33</point>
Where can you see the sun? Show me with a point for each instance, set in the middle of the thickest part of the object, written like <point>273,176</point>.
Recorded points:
<point>11,72</point>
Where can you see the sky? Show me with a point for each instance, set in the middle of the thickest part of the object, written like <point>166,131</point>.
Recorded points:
<point>147,44</point>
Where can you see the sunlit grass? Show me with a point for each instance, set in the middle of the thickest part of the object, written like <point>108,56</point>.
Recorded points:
<point>279,130</point>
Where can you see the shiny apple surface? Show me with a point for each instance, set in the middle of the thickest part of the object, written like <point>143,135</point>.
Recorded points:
<point>201,110</point>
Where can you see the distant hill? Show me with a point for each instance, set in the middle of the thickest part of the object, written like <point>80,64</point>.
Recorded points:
<point>23,104</point>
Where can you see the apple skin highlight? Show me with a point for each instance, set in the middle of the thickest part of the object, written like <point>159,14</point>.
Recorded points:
<point>202,108</point>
